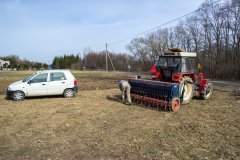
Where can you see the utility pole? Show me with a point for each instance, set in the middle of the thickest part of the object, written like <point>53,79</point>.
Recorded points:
<point>111,62</point>
<point>106,58</point>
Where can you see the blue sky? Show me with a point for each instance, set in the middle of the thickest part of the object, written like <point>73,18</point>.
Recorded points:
<point>38,30</point>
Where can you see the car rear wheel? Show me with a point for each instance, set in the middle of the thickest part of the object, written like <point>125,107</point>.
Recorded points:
<point>68,93</point>
<point>18,96</point>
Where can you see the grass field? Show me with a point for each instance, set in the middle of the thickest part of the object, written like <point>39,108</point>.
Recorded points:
<point>96,125</point>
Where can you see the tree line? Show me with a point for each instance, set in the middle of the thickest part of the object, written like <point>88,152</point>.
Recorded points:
<point>92,60</point>
<point>66,61</point>
<point>213,31</point>
<point>23,64</point>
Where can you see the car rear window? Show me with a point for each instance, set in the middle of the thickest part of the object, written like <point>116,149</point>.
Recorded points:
<point>57,76</point>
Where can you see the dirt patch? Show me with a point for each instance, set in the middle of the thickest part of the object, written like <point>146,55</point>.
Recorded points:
<point>98,83</point>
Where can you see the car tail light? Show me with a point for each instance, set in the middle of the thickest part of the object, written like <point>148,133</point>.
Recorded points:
<point>75,82</point>
<point>154,69</point>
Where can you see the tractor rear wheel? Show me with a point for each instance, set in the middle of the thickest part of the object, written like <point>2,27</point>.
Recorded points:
<point>187,89</point>
<point>207,91</point>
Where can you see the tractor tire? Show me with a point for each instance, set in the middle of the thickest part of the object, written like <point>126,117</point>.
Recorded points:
<point>207,92</point>
<point>174,104</point>
<point>187,89</point>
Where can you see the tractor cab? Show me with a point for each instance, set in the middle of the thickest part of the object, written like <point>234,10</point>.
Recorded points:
<point>174,61</point>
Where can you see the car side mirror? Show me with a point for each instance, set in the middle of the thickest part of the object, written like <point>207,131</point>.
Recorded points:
<point>30,81</point>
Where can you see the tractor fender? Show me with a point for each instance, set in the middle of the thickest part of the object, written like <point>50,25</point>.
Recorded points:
<point>183,81</point>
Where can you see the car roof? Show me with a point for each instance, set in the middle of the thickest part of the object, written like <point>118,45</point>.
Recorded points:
<point>57,70</point>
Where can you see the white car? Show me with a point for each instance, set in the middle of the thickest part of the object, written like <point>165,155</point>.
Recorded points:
<point>44,83</point>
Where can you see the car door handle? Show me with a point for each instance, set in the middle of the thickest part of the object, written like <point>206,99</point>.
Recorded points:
<point>63,82</point>
<point>43,84</point>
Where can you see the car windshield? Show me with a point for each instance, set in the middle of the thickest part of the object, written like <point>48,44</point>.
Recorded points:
<point>168,61</point>
<point>26,79</point>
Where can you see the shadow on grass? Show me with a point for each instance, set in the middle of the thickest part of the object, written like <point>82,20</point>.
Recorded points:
<point>38,97</point>
<point>118,98</point>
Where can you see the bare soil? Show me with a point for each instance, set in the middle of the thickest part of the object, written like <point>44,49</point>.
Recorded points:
<point>97,125</point>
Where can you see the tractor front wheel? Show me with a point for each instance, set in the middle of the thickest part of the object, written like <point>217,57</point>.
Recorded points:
<point>186,89</point>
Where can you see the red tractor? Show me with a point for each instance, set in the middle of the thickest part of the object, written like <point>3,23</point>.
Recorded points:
<point>175,79</point>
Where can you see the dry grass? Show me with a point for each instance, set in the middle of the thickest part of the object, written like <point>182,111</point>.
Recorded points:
<point>96,125</point>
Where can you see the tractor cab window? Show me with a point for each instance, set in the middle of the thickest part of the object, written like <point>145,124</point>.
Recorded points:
<point>189,64</point>
<point>168,61</point>
<point>193,64</point>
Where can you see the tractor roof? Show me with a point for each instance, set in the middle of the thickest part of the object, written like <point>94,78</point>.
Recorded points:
<point>178,52</point>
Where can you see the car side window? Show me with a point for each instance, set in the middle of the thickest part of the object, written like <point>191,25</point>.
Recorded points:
<point>57,76</point>
<point>40,78</point>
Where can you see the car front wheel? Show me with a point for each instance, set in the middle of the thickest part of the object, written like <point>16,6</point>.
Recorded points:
<point>69,93</point>
<point>18,96</point>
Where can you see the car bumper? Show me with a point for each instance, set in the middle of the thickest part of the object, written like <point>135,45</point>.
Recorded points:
<point>75,88</point>
<point>9,94</point>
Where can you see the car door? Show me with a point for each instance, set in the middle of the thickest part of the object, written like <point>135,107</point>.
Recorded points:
<point>38,85</point>
<point>57,83</point>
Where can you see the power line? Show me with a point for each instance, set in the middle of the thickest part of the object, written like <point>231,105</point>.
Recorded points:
<point>152,29</point>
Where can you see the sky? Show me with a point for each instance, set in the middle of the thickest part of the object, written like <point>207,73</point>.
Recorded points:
<point>39,30</point>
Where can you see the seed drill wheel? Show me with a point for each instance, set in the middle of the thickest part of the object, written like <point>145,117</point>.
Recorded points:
<point>207,92</point>
<point>174,104</point>
<point>187,89</point>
